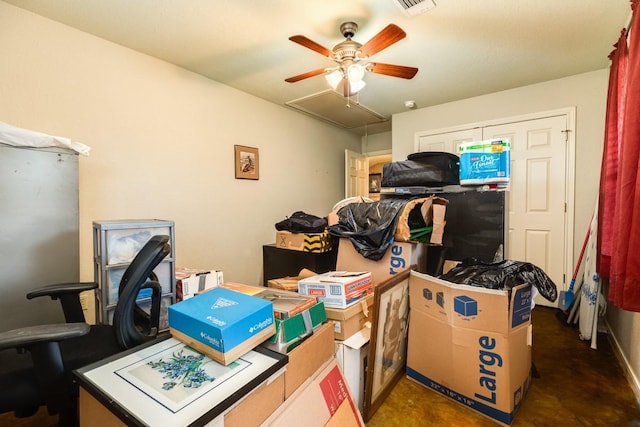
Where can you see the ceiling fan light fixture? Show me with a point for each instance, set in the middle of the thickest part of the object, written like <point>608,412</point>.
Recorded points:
<point>334,78</point>
<point>356,86</point>
<point>355,72</point>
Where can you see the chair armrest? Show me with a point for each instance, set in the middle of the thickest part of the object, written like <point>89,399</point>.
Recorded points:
<point>59,289</point>
<point>30,335</point>
<point>69,296</point>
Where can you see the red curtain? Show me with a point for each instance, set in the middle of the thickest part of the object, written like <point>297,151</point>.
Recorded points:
<point>624,276</point>
<point>612,137</point>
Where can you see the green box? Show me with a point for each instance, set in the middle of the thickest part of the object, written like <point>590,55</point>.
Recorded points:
<point>294,330</point>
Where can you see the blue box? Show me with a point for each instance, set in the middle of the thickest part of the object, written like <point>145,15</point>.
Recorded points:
<point>427,294</point>
<point>464,305</point>
<point>221,323</point>
<point>485,162</point>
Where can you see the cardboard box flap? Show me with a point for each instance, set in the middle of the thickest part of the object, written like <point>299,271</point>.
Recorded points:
<point>358,339</point>
<point>470,306</point>
<point>432,210</point>
<point>521,305</point>
<point>361,306</point>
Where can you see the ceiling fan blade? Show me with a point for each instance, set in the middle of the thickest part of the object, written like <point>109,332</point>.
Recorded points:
<point>305,75</point>
<point>392,70</point>
<point>385,38</point>
<point>310,44</point>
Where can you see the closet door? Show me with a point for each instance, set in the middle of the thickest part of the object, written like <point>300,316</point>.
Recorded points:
<point>447,142</point>
<point>537,198</point>
<point>540,198</point>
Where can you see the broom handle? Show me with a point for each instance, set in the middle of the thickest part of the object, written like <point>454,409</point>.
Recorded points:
<point>584,246</point>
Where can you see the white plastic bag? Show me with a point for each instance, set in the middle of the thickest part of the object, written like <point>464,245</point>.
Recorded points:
<point>19,137</point>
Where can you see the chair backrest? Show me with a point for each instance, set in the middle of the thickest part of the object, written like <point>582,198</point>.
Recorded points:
<point>136,274</point>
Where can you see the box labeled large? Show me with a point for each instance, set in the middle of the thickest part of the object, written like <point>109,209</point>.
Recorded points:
<point>221,323</point>
<point>471,344</point>
<point>485,162</point>
<point>305,242</point>
<point>399,256</point>
<point>337,289</point>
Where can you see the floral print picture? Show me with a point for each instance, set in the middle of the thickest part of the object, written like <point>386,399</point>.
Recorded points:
<point>178,375</point>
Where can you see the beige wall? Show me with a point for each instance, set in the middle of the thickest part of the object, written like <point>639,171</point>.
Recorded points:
<point>162,144</point>
<point>377,143</point>
<point>587,93</point>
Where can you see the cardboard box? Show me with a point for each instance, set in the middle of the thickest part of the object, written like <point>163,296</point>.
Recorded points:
<point>399,256</point>
<point>485,162</point>
<point>308,357</point>
<point>191,281</point>
<point>338,289</point>
<point>471,344</point>
<point>352,355</point>
<point>296,316</point>
<point>293,331</point>
<point>285,303</point>
<point>432,210</point>
<point>251,410</point>
<point>305,242</point>
<point>352,319</point>
<point>221,323</point>
<point>290,283</point>
<point>324,400</point>
<point>258,405</point>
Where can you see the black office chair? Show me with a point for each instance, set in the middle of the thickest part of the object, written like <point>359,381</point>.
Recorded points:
<point>40,371</point>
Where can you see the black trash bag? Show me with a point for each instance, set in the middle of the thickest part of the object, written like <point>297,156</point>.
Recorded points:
<point>370,226</point>
<point>502,275</point>
<point>300,222</point>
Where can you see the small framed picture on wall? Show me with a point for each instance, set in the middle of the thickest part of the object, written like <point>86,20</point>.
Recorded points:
<point>375,179</point>
<point>247,162</point>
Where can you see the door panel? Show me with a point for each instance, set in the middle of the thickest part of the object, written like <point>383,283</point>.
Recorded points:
<point>537,197</point>
<point>448,142</point>
<point>356,174</point>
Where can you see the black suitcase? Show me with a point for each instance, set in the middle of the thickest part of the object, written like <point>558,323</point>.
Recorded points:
<point>429,168</point>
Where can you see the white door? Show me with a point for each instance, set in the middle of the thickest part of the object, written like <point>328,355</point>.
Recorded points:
<point>537,198</point>
<point>356,182</point>
<point>447,142</point>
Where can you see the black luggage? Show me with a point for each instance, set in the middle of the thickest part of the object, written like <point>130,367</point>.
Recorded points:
<point>429,168</point>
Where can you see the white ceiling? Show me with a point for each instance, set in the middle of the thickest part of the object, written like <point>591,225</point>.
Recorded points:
<point>463,48</point>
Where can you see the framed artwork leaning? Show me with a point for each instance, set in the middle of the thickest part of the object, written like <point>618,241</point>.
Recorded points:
<point>388,346</point>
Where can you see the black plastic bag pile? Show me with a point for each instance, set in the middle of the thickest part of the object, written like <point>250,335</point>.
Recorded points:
<point>370,226</point>
<point>502,275</point>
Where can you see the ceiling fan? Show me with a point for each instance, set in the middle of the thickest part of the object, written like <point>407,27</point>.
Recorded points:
<point>349,54</point>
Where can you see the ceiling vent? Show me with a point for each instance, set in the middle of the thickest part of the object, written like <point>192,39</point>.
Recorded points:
<point>332,107</point>
<point>414,7</point>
